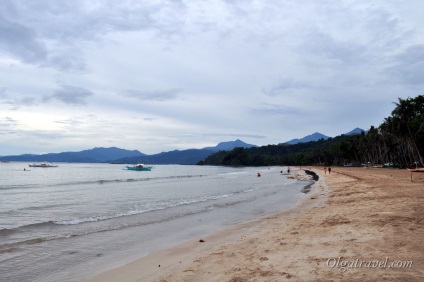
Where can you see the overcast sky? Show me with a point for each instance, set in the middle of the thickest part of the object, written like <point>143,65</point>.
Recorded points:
<point>163,75</point>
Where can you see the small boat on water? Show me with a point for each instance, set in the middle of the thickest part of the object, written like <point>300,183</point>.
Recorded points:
<point>139,167</point>
<point>45,164</point>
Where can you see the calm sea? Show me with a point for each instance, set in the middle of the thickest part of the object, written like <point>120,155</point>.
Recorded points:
<point>73,221</point>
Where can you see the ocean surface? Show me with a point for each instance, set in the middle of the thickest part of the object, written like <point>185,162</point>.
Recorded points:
<point>70,222</point>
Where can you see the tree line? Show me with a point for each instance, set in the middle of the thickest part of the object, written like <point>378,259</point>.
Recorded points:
<point>398,141</point>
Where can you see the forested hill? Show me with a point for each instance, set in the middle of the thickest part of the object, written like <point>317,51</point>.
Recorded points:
<point>312,152</point>
<point>398,140</point>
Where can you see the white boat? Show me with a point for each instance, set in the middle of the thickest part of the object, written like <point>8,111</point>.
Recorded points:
<point>139,167</point>
<point>44,164</point>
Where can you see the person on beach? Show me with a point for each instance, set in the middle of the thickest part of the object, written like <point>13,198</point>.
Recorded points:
<point>288,170</point>
<point>259,175</point>
<point>329,170</point>
<point>325,170</point>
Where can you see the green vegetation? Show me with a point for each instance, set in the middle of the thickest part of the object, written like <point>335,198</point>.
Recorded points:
<point>399,140</point>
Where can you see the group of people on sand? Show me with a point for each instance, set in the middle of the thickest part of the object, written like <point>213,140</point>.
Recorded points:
<point>325,170</point>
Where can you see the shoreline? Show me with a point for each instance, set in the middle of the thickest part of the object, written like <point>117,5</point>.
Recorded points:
<point>354,214</point>
<point>153,266</point>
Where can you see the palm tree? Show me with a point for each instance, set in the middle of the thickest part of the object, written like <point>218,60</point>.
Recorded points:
<point>409,119</point>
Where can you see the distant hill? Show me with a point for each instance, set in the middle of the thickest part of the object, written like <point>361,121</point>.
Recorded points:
<point>185,157</point>
<point>313,137</point>
<point>96,155</point>
<point>355,131</point>
<point>227,146</point>
<point>317,136</point>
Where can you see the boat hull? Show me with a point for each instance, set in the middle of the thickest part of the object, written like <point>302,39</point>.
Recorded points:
<point>146,168</point>
<point>42,165</point>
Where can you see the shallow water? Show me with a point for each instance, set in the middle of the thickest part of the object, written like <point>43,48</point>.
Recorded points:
<point>70,222</point>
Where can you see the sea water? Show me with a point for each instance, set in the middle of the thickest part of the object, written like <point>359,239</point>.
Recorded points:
<point>70,222</point>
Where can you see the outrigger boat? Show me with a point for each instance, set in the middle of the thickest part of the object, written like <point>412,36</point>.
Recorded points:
<point>139,167</point>
<point>45,164</point>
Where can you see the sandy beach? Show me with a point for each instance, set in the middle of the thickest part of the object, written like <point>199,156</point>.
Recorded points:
<point>356,224</point>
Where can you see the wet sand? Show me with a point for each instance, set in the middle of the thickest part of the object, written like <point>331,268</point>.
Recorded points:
<point>356,224</point>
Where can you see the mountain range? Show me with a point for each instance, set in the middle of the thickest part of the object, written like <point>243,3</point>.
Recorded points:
<point>317,136</point>
<point>117,155</point>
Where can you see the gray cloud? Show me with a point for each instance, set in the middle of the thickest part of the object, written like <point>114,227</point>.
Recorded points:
<point>71,122</point>
<point>67,59</point>
<point>69,94</point>
<point>27,101</point>
<point>275,109</point>
<point>3,94</point>
<point>328,47</point>
<point>15,100</point>
<point>158,95</point>
<point>260,70</point>
<point>409,66</point>
<point>236,135</point>
<point>8,121</point>
<point>285,85</point>
<point>50,33</point>
<point>21,41</point>
<point>8,125</point>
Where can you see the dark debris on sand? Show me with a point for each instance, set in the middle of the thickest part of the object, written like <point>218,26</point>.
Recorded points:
<point>313,174</point>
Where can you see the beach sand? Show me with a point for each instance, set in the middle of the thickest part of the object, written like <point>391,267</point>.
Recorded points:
<point>363,219</point>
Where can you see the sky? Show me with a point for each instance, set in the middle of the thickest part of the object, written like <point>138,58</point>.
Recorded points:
<point>161,75</point>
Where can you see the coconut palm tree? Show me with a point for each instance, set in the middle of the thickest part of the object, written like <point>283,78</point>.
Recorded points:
<point>408,117</point>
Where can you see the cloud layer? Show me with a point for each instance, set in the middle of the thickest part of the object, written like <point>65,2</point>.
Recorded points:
<point>163,75</point>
